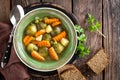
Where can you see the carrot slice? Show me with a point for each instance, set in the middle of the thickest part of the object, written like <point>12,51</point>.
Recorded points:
<point>35,42</point>
<point>27,40</point>
<point>40,32</point>
<point>56,23</point>
<point>59,36</point>
<point>37,56</point>
<point>49,21</point>
<point>44,43</point>
<point>53,54</point>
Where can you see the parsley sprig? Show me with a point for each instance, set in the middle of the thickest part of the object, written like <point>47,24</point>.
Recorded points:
<point>81,49</point>
<point>93,24</point>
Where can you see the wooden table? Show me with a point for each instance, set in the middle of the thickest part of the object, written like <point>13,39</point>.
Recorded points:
<point>106,11</point>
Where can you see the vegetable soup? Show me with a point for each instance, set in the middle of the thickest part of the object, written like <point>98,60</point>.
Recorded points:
<point>45,38</point>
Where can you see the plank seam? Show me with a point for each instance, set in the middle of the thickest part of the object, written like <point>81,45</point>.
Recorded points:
<point>103,73</point>
<point>72,6</point>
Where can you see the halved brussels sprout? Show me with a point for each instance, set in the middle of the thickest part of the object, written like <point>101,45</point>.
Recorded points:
<point>43,51</point>
<point>58,48</point>
<point>47,37</point>
<point>43,25</point>
<point>31,29</point>
<point>53,33</point>
<point>30,47</point>
<point>56,31</point>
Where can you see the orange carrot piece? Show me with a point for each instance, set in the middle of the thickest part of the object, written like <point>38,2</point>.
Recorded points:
<point>40,32</point>
<point>27,40</point>
<point>59,36</point>
<point>44,43</point>
<point>53,54</point>
<point>56,23</point>
<point>37,56</point>
<point>35,42</point>
<point>49,21</point>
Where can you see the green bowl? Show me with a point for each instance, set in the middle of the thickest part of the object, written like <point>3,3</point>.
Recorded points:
<point>24,56</point>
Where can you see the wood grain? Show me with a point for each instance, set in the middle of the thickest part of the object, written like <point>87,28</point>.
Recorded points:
<point>4,10</point>
<point>28,2</point>
<point>24,2</point>
<point>94,40</point>
<point>67,4</point>
<point>15,2</point>
<point>111,12</point>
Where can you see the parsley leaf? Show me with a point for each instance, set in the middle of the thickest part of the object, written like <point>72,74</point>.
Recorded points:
<point>93,24</point>
<point>81,49</point>
<point>82,38</point>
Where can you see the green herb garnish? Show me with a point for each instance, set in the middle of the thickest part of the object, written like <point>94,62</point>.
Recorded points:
<point>81,49</point>
<point>94,25</point>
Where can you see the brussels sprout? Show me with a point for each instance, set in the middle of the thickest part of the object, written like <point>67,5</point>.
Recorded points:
<point>57,30</point>
<point>43,51</point>
<point>31,47</point>
<point>31,29</point>
<point>53,33</point>
<point>47,37</point>
<point>43,25</point>
<point>52,42</point>
<point>58,48</point>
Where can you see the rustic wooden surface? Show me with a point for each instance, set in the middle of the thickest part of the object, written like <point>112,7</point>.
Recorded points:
<point>106,11</point>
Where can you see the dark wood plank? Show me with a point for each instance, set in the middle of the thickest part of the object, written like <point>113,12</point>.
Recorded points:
<point>4,10</point>
<point>67,4</point>
<point>15,2</point>
<point>24,2</point>
<point>111,27</point>
<point>27,2</point>
<point>94,40</point>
